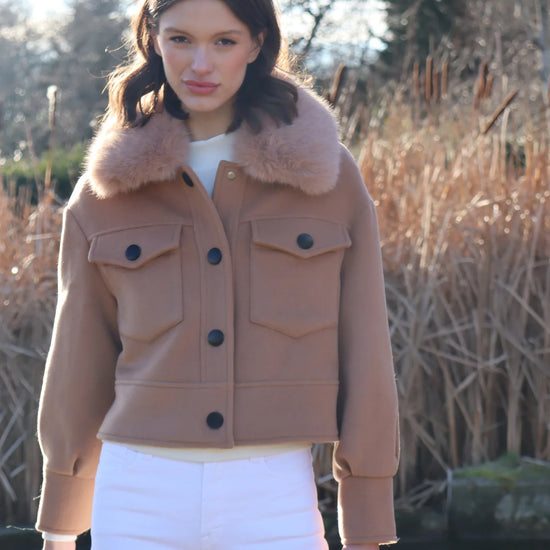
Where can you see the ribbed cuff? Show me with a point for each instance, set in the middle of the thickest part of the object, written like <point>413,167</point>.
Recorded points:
<point>66,504</point>
<point>365,510</point>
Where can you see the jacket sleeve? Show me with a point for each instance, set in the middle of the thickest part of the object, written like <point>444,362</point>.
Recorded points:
<point>78,386</point>
<point>367,454</point>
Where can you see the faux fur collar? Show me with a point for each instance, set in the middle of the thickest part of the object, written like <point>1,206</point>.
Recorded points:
<point>304,155</point>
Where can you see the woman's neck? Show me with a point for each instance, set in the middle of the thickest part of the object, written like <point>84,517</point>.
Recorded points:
<point>209,124</point>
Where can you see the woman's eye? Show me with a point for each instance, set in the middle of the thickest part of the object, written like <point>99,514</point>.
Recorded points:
<point>226,42</point>
<point>179,39</point>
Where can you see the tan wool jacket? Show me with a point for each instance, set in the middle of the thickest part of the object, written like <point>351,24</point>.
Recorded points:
<point>256,316</point>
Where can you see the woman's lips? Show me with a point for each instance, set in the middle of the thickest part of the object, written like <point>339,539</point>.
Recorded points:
<point>201,88</point>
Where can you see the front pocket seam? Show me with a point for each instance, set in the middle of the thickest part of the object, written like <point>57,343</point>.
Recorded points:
<point>296,335</point>
<point>343,241</point>
<point>172,240</point>
<point>120,279</point>
<point>294,327</point>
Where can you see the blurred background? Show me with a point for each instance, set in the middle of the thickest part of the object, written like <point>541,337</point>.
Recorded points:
<point>445,105</point>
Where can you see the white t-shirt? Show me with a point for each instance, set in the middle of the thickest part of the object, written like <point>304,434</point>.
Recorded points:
<point>205,156</point>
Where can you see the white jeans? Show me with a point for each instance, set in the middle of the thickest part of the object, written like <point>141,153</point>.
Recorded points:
<point>145,502</point>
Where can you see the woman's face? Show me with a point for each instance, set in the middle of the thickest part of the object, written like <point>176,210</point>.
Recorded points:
<point>205,51</point>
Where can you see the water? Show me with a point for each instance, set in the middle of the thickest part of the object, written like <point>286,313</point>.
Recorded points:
<point>32,541</point>
<point>470,545</point>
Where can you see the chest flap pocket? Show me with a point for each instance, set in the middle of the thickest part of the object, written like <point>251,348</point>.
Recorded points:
<point>142,266</point>
<point>295,273</point>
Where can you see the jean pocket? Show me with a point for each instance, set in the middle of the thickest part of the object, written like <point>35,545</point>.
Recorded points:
<point>292,465</point>
<point>115,458</point>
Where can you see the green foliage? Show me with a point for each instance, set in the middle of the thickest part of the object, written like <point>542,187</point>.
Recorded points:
<point>416,25</point>
<point>66,168</point>
<point>509,468</point>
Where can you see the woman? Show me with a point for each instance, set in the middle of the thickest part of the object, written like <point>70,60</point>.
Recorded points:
<point>221,307</point>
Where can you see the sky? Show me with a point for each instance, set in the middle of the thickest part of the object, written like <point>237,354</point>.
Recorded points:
<point>41,8</point>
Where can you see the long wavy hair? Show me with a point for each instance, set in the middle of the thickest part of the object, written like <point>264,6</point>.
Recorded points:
<point>138,87</point>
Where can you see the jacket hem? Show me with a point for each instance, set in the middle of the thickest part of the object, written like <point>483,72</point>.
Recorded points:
<point>107,436</point>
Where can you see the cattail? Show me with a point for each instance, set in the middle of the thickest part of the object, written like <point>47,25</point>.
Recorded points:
<point>494,117</point>
<point>436,80</point>
<point>52,101</point>
<point>52,104</point>
<point>1,130</point>
<point>481,83</point>
<point>416,79</point>
<point>337,85</point>
<point>445,80</point>
<point>488,87</point>
<point>429,69</point>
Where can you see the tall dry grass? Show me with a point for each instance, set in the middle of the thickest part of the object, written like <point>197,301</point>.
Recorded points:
<point>464,211</point>
<point>460,173</point>
<point>28,254</point>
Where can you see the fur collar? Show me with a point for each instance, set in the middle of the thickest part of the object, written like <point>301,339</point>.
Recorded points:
<point>304,155</point>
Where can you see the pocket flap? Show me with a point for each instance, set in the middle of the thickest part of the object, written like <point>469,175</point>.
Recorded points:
<point>292,234</point>
<point>132,247</point>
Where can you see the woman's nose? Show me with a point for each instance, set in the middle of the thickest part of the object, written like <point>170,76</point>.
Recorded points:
<point>201,61</point>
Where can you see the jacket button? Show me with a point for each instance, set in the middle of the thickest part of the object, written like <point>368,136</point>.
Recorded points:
<point>231,175</point>
<point>133,252</point>
<point>216,337</point>
<point>215,420</point>
<point>187,179</point>
<point>305,241</point>
<point>214,256</point>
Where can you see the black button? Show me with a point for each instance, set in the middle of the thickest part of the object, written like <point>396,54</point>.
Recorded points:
<point>305,241</point>
<point>187,179</point>
<point>215,420</point>
<point>214,256</point>
<point>216,337</point>
<point>133,252</point>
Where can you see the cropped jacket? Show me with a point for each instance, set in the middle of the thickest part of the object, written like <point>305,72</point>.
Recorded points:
<point>254,316</point>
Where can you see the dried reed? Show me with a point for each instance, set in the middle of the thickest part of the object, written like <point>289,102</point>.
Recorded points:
<point>466,245</point>
<point>27,295</point>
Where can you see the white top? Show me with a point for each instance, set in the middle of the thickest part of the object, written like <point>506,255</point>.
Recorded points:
<point>204,158</point>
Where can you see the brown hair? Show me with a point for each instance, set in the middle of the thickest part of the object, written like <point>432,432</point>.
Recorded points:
<point>137,88</point>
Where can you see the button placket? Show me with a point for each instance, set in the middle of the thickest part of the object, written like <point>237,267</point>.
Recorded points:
<point>216,337</point>
<point>216,344</point>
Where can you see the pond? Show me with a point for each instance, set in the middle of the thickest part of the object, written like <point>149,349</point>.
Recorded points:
<point>11,540</point>
<point>490,544</point>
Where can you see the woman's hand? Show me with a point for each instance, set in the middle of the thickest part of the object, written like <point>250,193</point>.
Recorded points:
<point>54,545</point>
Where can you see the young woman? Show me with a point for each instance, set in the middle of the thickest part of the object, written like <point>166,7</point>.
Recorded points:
<point>221,307</point>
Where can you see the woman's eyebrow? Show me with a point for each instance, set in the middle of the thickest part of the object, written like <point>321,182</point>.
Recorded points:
<point>220,33</point>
